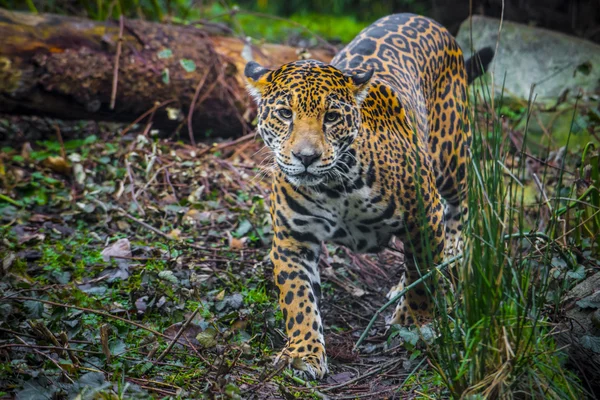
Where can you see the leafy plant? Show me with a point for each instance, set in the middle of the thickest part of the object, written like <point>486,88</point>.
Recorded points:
<point>494,338</point>
<point>584,200</point>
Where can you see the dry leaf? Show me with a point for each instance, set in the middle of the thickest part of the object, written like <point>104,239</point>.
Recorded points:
<point>123,225</point>
<point>344,283</point>
<point>39,218</point>
<point>26,150</point>
<point>104,341</point>
<point>174,114</point>
<point>207,338</point>
<point>174,234</point>
<point>26,234</point>
<point>79,174</point>
<point>239,325</point>
<point>120,248</point>
<point>141,304</point>
<point>58,164</point>
<point>190,217</point>
<point>235,243</point>
<point>188,336</point>
<point>169,199</point>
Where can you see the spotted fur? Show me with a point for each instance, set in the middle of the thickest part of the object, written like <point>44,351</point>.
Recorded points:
<point>369,147</point>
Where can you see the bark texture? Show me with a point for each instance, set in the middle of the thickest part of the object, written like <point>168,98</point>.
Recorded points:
<point>65,67</point>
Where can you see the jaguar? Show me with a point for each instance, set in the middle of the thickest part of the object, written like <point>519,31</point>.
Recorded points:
<point>372,146</point>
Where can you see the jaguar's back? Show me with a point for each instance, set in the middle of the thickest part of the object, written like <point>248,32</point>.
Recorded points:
<point>417,60</point>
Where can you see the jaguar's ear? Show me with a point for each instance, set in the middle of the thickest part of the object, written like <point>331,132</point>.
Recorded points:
<point>256,79</point>
<point>361,81</point>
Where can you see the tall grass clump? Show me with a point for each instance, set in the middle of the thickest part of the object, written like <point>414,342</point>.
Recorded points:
<point>494,340</point>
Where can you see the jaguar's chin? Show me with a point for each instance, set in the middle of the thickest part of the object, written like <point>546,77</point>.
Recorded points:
<point>305,179</point>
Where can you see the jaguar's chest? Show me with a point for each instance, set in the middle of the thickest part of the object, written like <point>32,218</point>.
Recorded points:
<point>361,220</point>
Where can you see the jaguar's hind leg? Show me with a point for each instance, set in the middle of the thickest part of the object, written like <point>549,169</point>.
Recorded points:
<point>424,240</point>
<point>416,306</point>
<point>454,218</point>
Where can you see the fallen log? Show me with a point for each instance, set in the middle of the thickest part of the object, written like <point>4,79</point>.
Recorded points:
<point>73,68</point>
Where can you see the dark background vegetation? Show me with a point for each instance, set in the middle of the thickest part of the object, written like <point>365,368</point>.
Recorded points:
<point>576,17</point>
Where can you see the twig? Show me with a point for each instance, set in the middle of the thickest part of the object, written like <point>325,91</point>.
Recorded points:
<point>63,153</point>
<point>168,179</point>
<point>178,335</point>
<point>402,293</point>
<point>162,392</point>
<point>358,378</point>
<point>134,33</point>
<point>158,171</point>
<point>307,386</point>
<point>369,394</point>
<point>148,125</point>
<point>18,333</point>
<point>576,201</point>
<point>254,388</point>
<point>191,245</point>
<point>113,95</point>
<point>343,310</point>
<point>237,141</point>
<point>225,145</point>
<point>144,224</point>
<point>580,224</point>
<point>133,196</point>
<point>9,200</point>
<point>144,115</point>
<point>541,189</point>
<point>32,346</point>
<point>206,23</point>
<point>193,105</point>
<point>102,313</point>
<point>49,358</point>
<point>142,380</point>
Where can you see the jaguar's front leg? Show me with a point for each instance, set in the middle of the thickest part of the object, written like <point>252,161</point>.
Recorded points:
<point>295,256</point>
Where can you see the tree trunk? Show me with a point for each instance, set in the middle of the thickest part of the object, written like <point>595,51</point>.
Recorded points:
<point>73,68</point>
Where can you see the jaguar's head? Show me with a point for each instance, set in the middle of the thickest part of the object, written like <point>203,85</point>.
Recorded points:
<point>308,115</point>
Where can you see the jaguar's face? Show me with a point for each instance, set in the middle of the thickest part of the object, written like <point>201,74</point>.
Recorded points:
<point>308,115</point>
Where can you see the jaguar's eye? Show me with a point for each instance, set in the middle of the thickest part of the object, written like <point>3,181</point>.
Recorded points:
<point>285,113</point>
<point>331,116</point>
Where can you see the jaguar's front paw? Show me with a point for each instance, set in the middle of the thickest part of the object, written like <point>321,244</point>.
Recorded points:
<point>308,364</point>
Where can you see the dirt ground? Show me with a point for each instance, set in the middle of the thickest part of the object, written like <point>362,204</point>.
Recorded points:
<point>136,267</point>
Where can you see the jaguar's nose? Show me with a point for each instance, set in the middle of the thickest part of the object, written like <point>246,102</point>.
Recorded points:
<point>307,158</point>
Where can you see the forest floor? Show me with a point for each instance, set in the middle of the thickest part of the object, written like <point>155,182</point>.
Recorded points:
<point>194,251</point>
<point>136,267</point>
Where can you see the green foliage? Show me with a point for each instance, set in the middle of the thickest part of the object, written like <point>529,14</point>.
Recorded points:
<point>342,28</point>
<point>427,383</point>
<point>186,10</point>
<point>585,203</point>
<point>339,20</point>
<point>494,337</point>
<point>364,10</point>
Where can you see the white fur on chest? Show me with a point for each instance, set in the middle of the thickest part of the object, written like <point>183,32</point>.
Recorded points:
<point>344,220</point>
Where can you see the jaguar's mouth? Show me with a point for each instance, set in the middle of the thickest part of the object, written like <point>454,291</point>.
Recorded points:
<point>305,179</point>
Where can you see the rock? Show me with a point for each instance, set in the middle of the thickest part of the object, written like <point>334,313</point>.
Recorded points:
<point>583,289</point>
<point>527,55</point>
<point>596,319</point>
<point>580,331</point>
